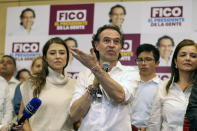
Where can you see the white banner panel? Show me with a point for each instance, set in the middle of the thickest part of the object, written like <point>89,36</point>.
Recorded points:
<point>144,22</point>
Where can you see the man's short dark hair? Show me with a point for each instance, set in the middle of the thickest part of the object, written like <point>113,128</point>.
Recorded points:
<point>164,37</point>
<point>14,61</point>
<point>148,48</point>
<point>71,38</point>
<point>22,13</point>
<point>22,70</point>
<point>96,37</point>
<point>116,6</point>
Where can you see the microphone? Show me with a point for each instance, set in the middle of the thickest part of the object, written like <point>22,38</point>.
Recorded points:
<point>105,67</point>
<point>30,109</point>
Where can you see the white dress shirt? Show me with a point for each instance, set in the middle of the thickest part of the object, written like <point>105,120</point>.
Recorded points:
<point>6,108</point>
<point>21,31</point>
<point>142,104</point>
<point>12,84</point>
<point>107,115</point>
<point>164,63</point>
<point>168,110</point>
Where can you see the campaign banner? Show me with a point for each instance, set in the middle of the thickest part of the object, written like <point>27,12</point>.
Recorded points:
<point>132,41</point>
<point>140,22</point>
<point>71,19</point>
<point>166,17</point>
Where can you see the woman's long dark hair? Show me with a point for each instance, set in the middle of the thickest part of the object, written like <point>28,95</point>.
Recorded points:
<point>39,80</point>
<point>174,71</point>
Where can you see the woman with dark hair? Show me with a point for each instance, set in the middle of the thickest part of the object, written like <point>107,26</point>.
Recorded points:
<point>22,74</point>
<point>172,97</point>
<point>53,87</point>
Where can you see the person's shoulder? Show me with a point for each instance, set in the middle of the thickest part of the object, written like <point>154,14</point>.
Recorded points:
<point>28,83</point>
<point>126,68</point>
<point>85,72</point>
<point>71,80</point>
<point>130,69</point>
<point>164,82</point>
<point>3,85</point>
<point>3,81</point>
<point>162,86</point>
<point>130,72</point>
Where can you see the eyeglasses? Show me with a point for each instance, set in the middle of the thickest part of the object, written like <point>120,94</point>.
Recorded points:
<point>145,60</point>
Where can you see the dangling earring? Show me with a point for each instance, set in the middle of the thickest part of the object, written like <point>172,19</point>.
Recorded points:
<point>176,66</point>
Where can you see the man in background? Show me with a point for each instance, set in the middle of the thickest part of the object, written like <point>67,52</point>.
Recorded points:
<point>6,108</point>
<point>71,42</point>
<point>23,74</point>
<point>147,61</point>
<point>7,71</point>
<point>117,14</point>
<point>165,46</point>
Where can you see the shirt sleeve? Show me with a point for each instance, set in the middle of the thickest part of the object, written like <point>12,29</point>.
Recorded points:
<point>80,86</point>
<point>129,84</point>
<point>155,120</point>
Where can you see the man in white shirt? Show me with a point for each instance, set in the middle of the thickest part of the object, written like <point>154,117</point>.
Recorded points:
<point>7,71</point>
<point>101,98</point>
<point>147,61</point>
<point>165,46</point>
<point>6,108</point>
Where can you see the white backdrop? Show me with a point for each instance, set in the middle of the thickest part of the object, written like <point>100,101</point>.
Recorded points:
<point>136,23</point>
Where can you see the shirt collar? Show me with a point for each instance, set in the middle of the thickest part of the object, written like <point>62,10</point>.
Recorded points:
<point>57,78</point>
<point>13,80</point>
<point>156,79</point>
<point>22,28</point>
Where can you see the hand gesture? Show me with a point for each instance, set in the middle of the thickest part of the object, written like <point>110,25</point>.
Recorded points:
<point>88,60</point>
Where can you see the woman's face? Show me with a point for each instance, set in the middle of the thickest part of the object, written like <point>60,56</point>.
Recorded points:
<point>37,67</point>
<point>187,58</point>
<point>56,57</point>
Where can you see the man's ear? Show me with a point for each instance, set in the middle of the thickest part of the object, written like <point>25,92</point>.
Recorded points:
<point>157,63</point>
<point>96,45</point>
<point>110,16</point>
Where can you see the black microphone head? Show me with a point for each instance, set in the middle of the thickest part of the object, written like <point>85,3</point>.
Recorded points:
<point>106,66</point>
<point>31,107</point>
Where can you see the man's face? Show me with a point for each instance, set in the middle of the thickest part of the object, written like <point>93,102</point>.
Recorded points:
<point>148,65</point>
<point>7,66</point>
<point>70,43</point>
<point>117,16</point>
<point>165,48</point>
<point>109,45</point>
<point>28,19</point>
<point>23,76</point>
